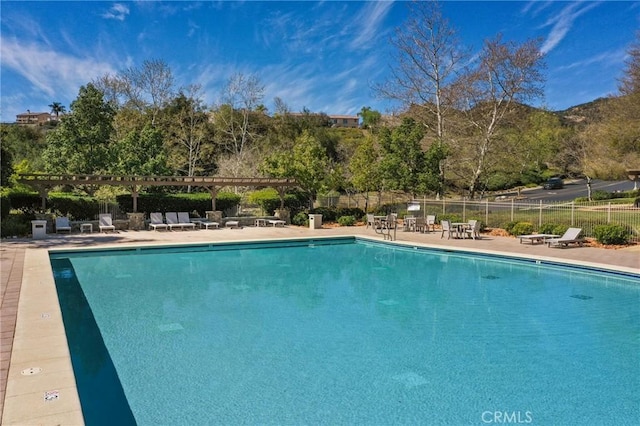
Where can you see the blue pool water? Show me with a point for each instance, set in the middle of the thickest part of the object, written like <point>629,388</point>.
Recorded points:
<point>346,332</point>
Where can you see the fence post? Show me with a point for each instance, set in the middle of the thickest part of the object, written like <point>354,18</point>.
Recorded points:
<point>540,216</point>
<point>486,212</point>
<point>609,213</point>
<point>573,211</point>
<point>444,209</point>
<point>512,209</point>
<point>464,209</point>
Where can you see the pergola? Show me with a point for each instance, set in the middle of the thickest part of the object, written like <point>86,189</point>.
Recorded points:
<point>44,182</point>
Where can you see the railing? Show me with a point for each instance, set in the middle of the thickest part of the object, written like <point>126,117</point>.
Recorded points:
<point>493,214</point>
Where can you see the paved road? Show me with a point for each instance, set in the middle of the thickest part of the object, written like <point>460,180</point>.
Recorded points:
<point>576,188</point>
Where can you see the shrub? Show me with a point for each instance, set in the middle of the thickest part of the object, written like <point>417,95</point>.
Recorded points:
<point>5,206</point>
<point>508,226</point>
<point>267,198</point>
<point>560,229</point>
<point>522,228</point>
<point>547,228</point>
<point>199,201</point>
<point>452,217</point>
<point>347,220</point>
<point>611,234</point>
<point>300,219</point>
<point>18,225</point>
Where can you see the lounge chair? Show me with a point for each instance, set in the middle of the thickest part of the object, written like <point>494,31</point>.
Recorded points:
<point>572,236</point>
<point>185,220</point>
<point>276,222</point>
<point>62,224</point>
<point>537,238</point>
<point>232,224</point>
<point>174,222</point>
<point>156,222</point>
<point>446,227</point>
<point>105,223</point>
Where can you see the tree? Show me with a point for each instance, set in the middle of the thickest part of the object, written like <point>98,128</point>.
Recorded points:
<point>370,118</point>
<point>6,167</point>
<point>424,70</point>
<point>189,133</point>
<point>365,169</point>
<point>403,161</point>
<point>80,144</point>
<point>506,75</point>
<point>233,118</point>
<point>142,153</point>
<point>57,108</point>
<point>307,163</point>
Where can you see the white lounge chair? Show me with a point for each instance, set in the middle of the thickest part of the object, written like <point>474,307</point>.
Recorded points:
<point>174,222</point>
<point>276,222</point>
<point>232,224</point>
<point>62,224</point>
<point>105,223</point>
<point>156,222</point>
<point>183,218</point>
<point>572,236</point>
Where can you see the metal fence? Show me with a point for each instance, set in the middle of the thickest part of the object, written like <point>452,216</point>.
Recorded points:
<point>495,214</point>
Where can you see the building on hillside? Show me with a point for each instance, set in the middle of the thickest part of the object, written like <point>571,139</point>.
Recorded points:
<point>345,121</point>
<point>34,118</point>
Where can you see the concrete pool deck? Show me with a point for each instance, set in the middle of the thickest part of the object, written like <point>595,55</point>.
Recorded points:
<point>37,385</point>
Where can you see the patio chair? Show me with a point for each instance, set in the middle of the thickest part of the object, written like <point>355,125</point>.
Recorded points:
<point>572,236</point>
<point>156,222</point>
<point>446,227</point>
<point>62,224</point>
<point>105,223</point>
<point>371,220</point>
<point>473,230</point>
<point>431,222</point>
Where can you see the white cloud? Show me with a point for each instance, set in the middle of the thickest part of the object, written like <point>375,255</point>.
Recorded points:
<point>371,20</point>
<point>118,12</point>
<point>562,23</point>
<point>50,72</point>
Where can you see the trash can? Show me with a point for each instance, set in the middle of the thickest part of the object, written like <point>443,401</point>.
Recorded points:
<point>315,221</point>
<point>39,228</point>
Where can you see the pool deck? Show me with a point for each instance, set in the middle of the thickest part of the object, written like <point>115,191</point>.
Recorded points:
<point>37,385</point>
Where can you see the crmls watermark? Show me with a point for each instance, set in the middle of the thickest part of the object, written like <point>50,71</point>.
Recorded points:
<point>507,417</point>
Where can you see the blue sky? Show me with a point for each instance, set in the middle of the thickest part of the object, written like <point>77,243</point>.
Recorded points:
<point>323,56</point>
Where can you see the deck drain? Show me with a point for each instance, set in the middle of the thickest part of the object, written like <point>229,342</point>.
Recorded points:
<point>581,296</point>
<point>51,395</point>
<point>31,371</point>
<point>490,277</point>
<point>45,315</point>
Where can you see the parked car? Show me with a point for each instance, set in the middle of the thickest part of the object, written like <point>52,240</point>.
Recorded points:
<point>554,183</point>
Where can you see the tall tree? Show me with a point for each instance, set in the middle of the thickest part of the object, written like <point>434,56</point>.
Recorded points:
<point>424,69</point>
<point>235,118</point>
<point>142,153</point>
<point>80,144</point>
<point>365,169</point>
<point>57,108</point>
<point>189,134</point>
<point>505,75</point>
<point>403,161</point>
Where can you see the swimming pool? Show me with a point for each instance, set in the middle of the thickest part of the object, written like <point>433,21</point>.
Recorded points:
<point>344,331</point>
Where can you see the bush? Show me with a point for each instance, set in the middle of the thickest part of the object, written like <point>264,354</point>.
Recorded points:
<point>611,234</point>
<point>547,228</point>
<point>508,226</point>
<point>5,206</point>
<point>452,217</point>
<point>199,201</point>
<point>75,207</point>
<point>347,220</point>
<point>268,199</point>
<point>300,219</point>
<point>18,225</point>
<point>560,229</point>
<point>522,228</point>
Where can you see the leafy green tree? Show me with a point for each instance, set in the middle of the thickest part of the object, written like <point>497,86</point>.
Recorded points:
<point>25,144</point>
<point>142,153</point>
<point>370,118</point>
<point>307,163</point>
<point>365,170</point>
<point>403,161</point>
<point>80,144</point>
<point>6,167</point>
